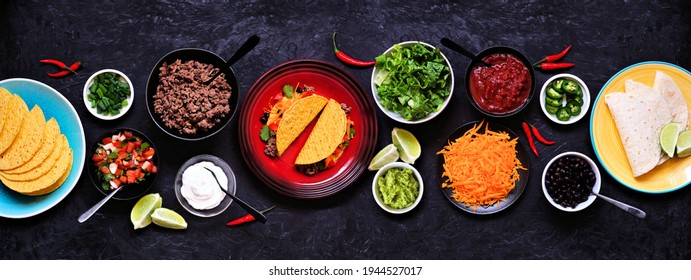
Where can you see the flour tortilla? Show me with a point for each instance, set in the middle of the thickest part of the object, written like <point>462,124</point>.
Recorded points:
<point>639,121</point>
<point>672,94</point>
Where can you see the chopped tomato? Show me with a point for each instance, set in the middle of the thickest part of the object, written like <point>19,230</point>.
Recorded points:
<point>97,158</point>
<point>154,169</point>
<point>106,140</point>
<point>273,126</point>
<point>148,153</point>
<point>123,178</point>
<point>116,182</point>
<point>305,94</point>
<point>130,147</point>
<point>118,172</point>
<point>131,177</point>
<point>127,134</point>
<point>275,99</point>
<point>104,169</point>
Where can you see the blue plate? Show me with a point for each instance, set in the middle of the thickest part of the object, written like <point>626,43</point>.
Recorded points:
<point>53,104</point>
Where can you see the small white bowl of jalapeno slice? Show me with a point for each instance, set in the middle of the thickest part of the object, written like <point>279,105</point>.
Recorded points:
<point>564,98</point>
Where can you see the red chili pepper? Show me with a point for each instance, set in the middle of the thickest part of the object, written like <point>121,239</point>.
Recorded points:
<point>549,66</point>
<point>247,218</point>
<point>526,129</point>
<point>554,57</point>
<point>64,73</point>
<point>349,60</point>
<point>540,138</point>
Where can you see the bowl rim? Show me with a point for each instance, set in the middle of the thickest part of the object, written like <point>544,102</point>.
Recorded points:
<point>396,116</point>
<point>225,203</point>
<point>586,98</point>
<point>381,172</point>
<point>523,58</point>
<point>233,83</point>
<point>86,91</point>
<point>596,187</point>
<point>96,182</point>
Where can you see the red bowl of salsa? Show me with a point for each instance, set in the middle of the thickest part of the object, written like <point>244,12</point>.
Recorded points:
<point>505,87</point>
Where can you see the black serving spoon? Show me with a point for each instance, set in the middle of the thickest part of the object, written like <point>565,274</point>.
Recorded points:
<point>256,214</point>
<point>456,47</point>
<point>242,51</point>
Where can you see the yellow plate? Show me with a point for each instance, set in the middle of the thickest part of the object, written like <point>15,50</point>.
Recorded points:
<point>669,176</point>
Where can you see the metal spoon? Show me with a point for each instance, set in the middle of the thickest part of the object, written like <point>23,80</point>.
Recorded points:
<point>628,208</point>
<point>242,51</point>
<point>257,215</point>
<point>456,47</point>
<point>98,205</point>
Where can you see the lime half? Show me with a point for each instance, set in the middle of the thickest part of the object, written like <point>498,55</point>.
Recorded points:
<point>141,213</point>
<point>408,146</point>
<point>684,144</point>
<point>668,138</point>
<point>387,155</point>
<point>168,219</point>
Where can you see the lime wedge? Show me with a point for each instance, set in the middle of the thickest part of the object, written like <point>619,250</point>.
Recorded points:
<point>168,219</point>
<point>684,144</point>
<point>668,138</point>
<point>387,155</point>
<point>141,213</point>
<point>408,146</point>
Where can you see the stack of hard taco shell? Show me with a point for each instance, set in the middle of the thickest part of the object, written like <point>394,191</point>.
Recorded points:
<point>35,158</point>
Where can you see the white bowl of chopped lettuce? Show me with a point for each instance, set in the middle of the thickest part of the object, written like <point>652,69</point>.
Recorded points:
<point>412,82</point>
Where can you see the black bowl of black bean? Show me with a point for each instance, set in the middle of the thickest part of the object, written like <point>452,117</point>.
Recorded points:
<point>181,104</point>
<point>569,179</point>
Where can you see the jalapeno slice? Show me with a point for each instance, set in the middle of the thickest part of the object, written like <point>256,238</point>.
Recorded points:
<point>563,114</point>
<point>573,107</point>
<point>570,87</point>
<point>553,93</point>
<point>553,102</point>
<point>557,84</point>
<point>551,109</point>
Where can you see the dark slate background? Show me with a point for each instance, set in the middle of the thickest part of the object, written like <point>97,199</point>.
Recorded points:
<point>606,36</point>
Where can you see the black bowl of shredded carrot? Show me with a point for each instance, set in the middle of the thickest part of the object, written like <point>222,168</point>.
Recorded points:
<point>482,167</point>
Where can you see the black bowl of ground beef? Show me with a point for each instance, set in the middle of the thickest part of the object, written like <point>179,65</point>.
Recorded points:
<point>178,101</point>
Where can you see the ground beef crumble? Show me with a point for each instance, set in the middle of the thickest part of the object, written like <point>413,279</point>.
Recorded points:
<point>184,103</point>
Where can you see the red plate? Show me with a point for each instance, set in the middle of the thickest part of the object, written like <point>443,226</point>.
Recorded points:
<point>280,173</point>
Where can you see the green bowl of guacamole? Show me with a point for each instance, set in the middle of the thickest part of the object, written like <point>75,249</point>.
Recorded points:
<point>397,187</point>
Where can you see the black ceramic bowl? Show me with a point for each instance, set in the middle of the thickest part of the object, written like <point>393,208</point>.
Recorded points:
<point>129,191</point>
<point>203,56</point>
<point>494,50</point>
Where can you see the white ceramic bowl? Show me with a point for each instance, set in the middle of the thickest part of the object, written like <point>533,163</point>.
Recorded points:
<point>596,187</point>
<point>123,110</point>
<point>586,98</point>
<point>396,116</point>
<point>382,172</point>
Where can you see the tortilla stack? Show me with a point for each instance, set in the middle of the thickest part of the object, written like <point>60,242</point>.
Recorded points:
<point>327,134</point>
<point>296,119</point>
<point>672,94</point>
<point>639,115</point>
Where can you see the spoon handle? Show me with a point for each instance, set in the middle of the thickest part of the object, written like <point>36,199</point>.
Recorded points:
<point>98,205</point>
<point>242,51</point>
<point>628,208</point>
<point>456,47</point>
<point>256,214</point>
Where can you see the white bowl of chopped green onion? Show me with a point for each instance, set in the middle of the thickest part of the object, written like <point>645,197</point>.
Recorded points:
<point>412,82</point>
<point>108,94</point>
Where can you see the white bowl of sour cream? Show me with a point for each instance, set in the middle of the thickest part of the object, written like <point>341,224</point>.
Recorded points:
<point>197,190</point>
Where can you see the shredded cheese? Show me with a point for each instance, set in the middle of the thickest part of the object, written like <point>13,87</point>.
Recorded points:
<point>481,168</point>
